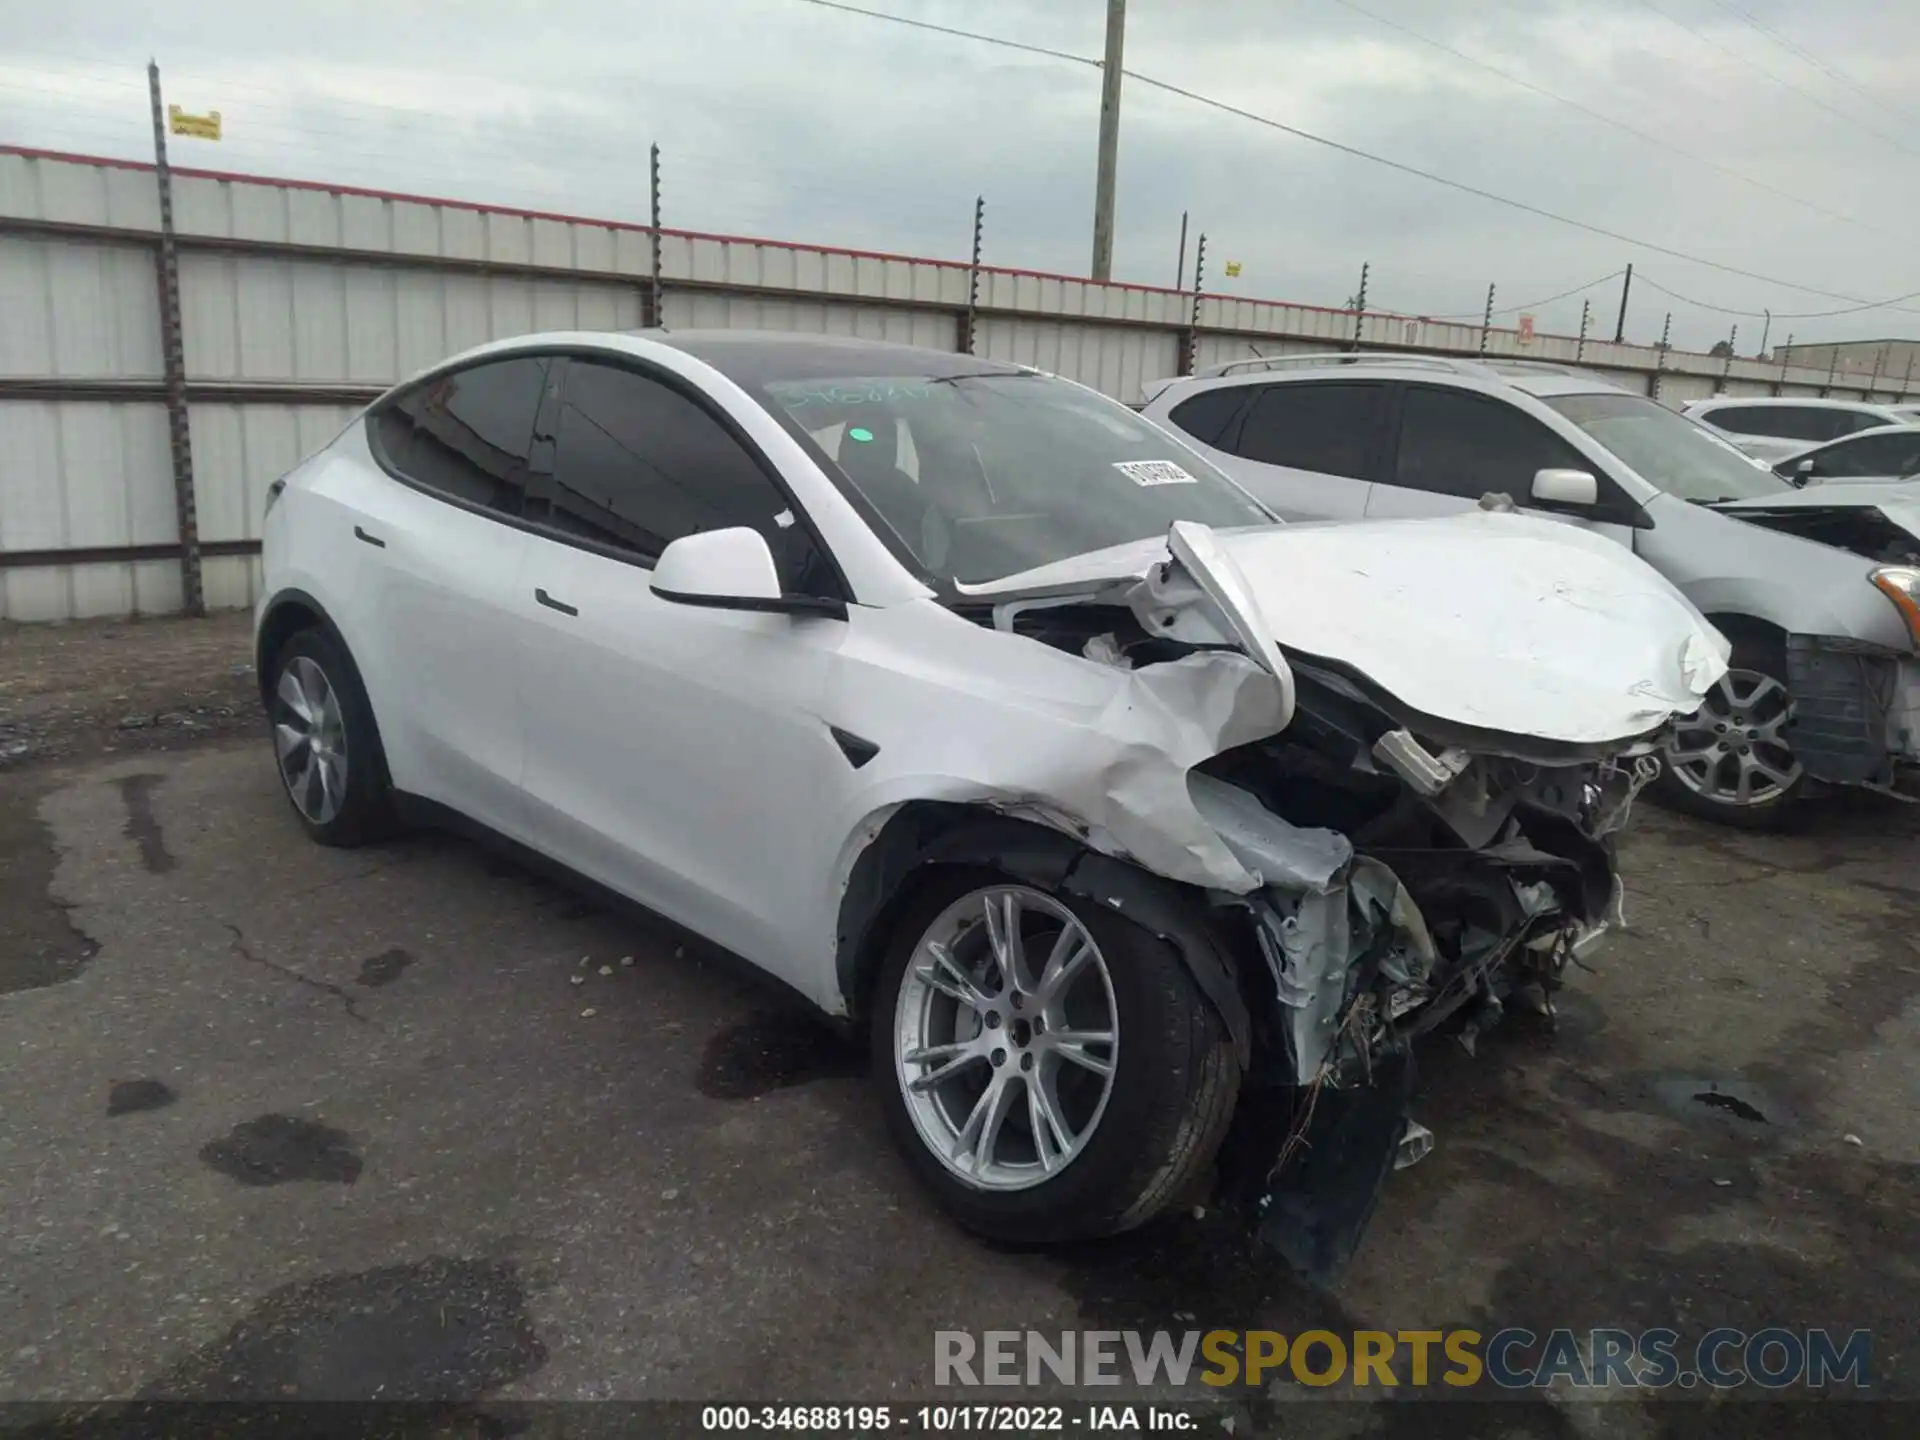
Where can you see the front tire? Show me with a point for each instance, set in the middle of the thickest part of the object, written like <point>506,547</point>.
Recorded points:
<point>1049,1070</point>
<point>1730,761</point>
<point>327,748</point>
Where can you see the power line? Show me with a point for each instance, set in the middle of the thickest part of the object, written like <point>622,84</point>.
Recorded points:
<point>1531,304</point>
<point>1405,169</point>
<point>1777,314</point>
<point>999,40</point>
<point>1604,119</point>
<point>1755,66</point>
<point>1806,56</point>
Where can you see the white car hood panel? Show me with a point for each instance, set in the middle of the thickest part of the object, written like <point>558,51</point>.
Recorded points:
<point>1499,621</point>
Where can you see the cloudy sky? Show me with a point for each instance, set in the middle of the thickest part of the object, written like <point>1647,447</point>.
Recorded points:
<point>1791,154</point>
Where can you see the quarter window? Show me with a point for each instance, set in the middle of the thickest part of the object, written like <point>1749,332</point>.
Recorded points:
<point>1208,415</point>
<point>1329,429</point>
<point>467,435</point>
<point>1453,443</point>
<point>1871,455</point>
<point>640,464</point>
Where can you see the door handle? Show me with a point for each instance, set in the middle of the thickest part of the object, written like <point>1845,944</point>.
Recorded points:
<point>375,540</point>
<point>552,604</point>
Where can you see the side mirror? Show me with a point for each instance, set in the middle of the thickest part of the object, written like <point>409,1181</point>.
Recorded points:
<point>1565,487</point>
<point>1805,470</point>
<point>730,569</point>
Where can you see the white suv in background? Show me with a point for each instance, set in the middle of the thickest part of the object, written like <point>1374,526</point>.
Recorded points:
<point>1771,430</point>
<point>1817,588</point>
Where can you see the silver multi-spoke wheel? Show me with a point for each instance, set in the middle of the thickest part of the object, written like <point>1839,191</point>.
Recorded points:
<point>1006,1037</point>
<point>1733,750</point>
<point>309,735</point>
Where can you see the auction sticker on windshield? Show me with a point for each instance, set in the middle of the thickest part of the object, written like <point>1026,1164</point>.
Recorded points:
<point>1154,472</point>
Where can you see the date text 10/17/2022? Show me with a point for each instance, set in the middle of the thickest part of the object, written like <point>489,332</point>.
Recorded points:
<point>944,1419</point>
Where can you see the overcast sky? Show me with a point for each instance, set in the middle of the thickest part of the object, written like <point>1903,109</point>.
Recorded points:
<point>781,118</point>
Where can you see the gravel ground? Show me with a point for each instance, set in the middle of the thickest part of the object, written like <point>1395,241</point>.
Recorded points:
<point>283,1122</point>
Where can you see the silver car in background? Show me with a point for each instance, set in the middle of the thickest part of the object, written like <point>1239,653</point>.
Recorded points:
<point>1770,429</point>
<point>1818,589</point>
<point>1886,452</point>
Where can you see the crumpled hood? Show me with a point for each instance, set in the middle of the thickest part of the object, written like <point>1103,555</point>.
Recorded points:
<point>1898,500</point>
<point>1502,622</point>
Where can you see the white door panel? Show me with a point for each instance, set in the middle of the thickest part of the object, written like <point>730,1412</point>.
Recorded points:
<point>433,604</point>
<point>677,753</point>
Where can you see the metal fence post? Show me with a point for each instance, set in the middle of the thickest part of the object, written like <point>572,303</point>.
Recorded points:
<point>1726,370</point>
<point>656,295</point>
<point>174,361</point>
<point>1486,323</point>
<point>1580,352</point>
<point>1873,384</point>
<point>1906,381</point>
<point>1360,304</point>
<point>1180,270</point>
<point>1833,364</point>
<point>969,330</point>
<point>1190,343</point>
<point>1786,350</point>
<point>1660,358</point>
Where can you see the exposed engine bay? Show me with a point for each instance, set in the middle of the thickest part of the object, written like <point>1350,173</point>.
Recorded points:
<point>1415,877</point>
<point>1861,530</point>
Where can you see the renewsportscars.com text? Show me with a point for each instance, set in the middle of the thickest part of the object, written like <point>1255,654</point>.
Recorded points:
<point>1774,1358</point>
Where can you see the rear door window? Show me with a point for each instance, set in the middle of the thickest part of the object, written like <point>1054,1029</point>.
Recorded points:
<point>1782,422</point>
<point>466,435</point>
<point>1456,443</point>
<point>1331,429</point>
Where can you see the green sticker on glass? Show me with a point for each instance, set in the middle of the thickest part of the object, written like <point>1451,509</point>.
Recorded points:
<point>863,436</point>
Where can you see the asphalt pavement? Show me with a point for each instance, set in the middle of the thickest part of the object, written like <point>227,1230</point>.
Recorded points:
<point>284,1122</point>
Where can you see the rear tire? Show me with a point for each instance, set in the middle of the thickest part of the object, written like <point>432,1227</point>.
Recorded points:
<point>1128,1144</point>
<point>326,745</point>
<point>1734,747</point>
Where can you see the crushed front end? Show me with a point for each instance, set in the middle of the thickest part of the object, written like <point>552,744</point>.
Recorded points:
<point>1425,881</point>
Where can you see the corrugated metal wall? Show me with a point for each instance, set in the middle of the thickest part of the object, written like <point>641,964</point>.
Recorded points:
<point>298,301</point>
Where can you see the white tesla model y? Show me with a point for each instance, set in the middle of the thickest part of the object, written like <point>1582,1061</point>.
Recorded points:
<point>987,715</point>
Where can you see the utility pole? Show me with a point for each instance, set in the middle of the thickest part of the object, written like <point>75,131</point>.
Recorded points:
<point>1626,289</point>
<point>1765,330</point>
<point>1109,141</point>
<point>1180,270</point>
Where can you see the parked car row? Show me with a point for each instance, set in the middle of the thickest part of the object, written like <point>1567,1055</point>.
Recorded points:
<point>1773,429</point>
<point>1001,723</point>
<point>1818,588</point>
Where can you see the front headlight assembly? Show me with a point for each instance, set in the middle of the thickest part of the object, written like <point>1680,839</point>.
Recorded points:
<point>1901,584</point>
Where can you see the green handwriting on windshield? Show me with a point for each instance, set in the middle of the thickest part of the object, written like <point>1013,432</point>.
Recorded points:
<point>801,395</point>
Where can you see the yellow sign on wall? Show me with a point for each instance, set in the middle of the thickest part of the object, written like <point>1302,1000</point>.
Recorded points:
<point>1233,269</point>
<point>200,127</point>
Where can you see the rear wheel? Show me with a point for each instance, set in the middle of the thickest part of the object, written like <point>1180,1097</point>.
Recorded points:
<point>1050,1071</point>
<point>325,742</point>
<point>1730,760</point>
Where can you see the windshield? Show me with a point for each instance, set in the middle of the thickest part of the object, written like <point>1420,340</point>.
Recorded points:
<point>983,476</point>
<point>1679,455</point>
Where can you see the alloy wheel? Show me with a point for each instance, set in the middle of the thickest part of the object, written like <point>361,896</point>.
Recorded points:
<point>1733,750</point>
<point>1006,1038</point>
<point>309,736</point>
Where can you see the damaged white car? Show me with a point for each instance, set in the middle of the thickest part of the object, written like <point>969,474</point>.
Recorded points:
<point>987,715</point>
